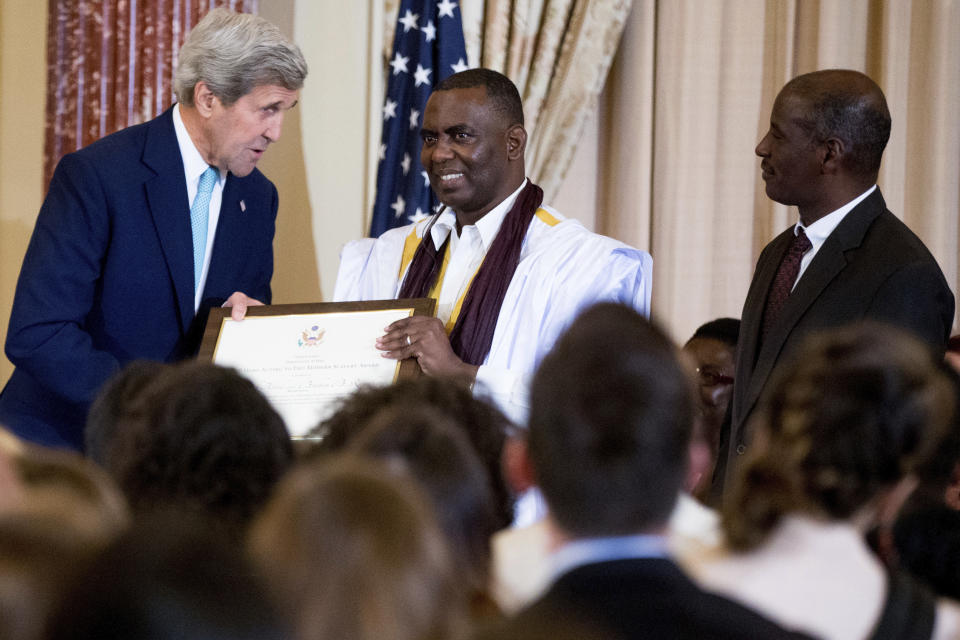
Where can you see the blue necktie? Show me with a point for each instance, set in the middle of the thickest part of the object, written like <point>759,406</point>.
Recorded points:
<point>199,212</point>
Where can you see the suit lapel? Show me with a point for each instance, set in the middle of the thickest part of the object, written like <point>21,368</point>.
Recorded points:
<point>830,260</point>
<point>752,319</point>
<point>227,242</point>
<point>825,266</point>
<point>167,199</point>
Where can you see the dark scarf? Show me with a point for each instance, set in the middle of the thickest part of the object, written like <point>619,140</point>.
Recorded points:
<point>472,334</point>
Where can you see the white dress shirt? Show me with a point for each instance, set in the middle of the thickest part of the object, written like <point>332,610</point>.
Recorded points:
<point>467,250</point>
<point>819,231</point>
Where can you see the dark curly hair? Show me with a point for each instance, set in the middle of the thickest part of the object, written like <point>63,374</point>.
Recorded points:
<point>485,425</point>
<point>202,438</point>
<point>852,412</point>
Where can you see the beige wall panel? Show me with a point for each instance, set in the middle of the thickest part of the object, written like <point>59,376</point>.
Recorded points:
<point>22,98</point>
<point>321,168</point>
<point>296,275</point>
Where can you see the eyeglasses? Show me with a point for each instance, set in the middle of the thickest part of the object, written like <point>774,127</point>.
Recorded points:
<point>712,378</point>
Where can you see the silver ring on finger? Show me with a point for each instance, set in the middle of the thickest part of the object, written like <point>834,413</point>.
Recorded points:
<point>409,342</point>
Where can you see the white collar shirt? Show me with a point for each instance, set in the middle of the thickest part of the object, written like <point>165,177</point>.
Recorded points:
<point>467,250</point>
<point>584,551</point>
<point>819,231</point>
<point>193,167</point>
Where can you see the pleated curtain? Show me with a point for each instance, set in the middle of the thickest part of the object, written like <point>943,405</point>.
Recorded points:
<point>110,65</point>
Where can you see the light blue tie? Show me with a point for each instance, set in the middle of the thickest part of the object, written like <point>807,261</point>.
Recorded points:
<point>199,212</point>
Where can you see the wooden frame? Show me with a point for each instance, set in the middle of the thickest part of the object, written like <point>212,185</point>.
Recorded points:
<point>217,318</point>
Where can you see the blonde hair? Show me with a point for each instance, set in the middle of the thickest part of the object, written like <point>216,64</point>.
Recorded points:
<point>63,487</point>
<point>352,551</point>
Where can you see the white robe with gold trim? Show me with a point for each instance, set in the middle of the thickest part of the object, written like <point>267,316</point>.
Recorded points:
<point>563,269</point>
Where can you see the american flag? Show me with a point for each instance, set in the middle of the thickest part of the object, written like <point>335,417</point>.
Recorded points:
<point>427,47</point>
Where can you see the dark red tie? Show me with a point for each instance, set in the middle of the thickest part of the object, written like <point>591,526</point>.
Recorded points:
<point>786,277</point>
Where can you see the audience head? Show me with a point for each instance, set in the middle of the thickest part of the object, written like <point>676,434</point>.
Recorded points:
<point>112,404</point>
<point>58,510</point>
<point>923,538</point>
<point>232,53</point>
<point>65,487</point>
<point>854,412</point>
<point>351,549</point>
<point>60,487</point>
<point>203,439</point>
<point>938,476</point>
<point>40,556</point>
<point>610,423</point>
<point>483,424</point>
<point>168,578</point>
<point>438,455</point>
<point>713,349</point>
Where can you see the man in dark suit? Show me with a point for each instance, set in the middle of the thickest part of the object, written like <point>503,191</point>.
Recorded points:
<point>144,230</point>
<point>610,424</point>
<point>848,258</point>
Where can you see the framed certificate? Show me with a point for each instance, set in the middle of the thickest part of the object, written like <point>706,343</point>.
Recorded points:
<point>305,357</point>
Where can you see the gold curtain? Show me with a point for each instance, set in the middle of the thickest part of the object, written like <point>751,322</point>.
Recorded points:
<point>557,52</point>
<point>689,96</point>
<point>110,64</point>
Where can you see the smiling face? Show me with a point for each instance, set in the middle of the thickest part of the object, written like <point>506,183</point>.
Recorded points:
<point>791,159</point>
<point>236,136</point>
<point>473,156</point>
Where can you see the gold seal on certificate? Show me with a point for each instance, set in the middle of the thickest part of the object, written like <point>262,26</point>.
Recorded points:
<point>306,357</point>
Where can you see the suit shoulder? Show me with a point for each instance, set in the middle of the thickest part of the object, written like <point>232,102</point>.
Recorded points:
<point>778,241</point>
<point>125,141</point>
<point>890,231</point>
<point>553,229</point>
<point>636,598</point>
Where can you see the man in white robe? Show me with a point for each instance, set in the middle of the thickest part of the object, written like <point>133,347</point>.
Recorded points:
<point>473,145</point>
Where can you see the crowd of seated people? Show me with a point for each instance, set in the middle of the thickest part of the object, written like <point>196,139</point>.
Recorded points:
<point>840,436</point>
<point>193,515</point>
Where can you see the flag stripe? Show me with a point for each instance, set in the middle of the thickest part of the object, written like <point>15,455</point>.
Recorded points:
<point>428,46</point>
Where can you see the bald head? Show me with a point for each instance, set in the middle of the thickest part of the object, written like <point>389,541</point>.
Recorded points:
<point>849,106</point>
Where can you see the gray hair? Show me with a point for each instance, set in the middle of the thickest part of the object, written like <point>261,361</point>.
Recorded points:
<point>233,53</point>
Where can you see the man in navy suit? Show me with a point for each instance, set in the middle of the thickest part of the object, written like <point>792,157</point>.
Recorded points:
<point>855,259</point>
<point>143,231</point>
<point>610,423</point>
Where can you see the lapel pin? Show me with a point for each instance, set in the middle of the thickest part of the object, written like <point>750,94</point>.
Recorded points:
<point>243,206</point>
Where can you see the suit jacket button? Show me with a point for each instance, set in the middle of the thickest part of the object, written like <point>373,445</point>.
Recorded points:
<point>741,449</point>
